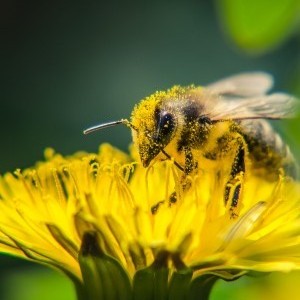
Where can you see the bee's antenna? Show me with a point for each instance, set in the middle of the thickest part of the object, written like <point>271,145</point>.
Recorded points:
<point>109,124</point>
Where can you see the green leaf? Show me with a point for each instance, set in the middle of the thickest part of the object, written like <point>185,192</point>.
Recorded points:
<point>36,283</point>
<point>258,26</point>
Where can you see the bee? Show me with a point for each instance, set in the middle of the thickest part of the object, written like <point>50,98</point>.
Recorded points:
<point>225,120</point>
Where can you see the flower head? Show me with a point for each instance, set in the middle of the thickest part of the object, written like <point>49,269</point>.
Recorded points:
<point>96,214</point>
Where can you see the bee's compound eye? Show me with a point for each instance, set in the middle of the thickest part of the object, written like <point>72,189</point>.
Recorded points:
<point>165,124</point>
<point>167,120</point>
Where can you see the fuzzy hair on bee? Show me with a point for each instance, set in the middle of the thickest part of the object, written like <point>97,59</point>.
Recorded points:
<point>192,123</point>
<point>198,127</point>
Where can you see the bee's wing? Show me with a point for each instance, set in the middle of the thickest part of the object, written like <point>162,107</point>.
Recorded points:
<point>244,84</point>
<point>274,106</point>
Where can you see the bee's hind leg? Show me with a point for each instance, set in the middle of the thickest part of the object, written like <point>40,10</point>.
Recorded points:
<point>234,185</point>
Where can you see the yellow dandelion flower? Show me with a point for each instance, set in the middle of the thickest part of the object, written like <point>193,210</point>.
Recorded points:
<point>107,222</point>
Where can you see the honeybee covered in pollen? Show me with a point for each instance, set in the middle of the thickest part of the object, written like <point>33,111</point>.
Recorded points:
<point>202,126</point>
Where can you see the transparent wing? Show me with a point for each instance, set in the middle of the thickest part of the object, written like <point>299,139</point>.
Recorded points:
<point>244,84</point>
<point>274,106</point>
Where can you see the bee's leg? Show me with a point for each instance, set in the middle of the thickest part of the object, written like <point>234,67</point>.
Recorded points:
<point>189,166</point>
<point>233,187</point>
<point>175,162</point>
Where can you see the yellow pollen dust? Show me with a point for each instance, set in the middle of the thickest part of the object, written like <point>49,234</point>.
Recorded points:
<point>45,211</point>
<point>143,112</point>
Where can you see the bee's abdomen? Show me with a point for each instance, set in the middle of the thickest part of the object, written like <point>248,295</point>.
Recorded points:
<point>267,151</point>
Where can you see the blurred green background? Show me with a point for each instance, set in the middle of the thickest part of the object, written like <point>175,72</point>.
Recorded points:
<point>66,65</point>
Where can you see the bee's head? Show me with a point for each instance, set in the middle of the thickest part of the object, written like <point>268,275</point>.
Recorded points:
<point>154,125</point>
<point>154,122</point>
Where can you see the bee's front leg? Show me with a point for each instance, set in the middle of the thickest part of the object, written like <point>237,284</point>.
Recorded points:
<point>234,185</point>
<point>189,166</point>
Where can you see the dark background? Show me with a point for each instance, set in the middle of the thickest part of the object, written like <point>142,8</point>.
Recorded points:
<point>66,65</point>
